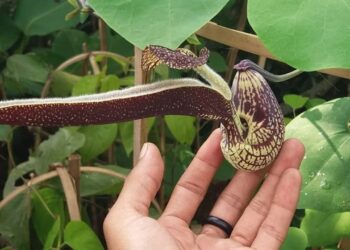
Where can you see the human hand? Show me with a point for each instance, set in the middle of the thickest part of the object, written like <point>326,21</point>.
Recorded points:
<point>260,219</point>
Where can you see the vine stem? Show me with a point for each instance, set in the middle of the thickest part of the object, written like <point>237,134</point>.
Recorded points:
<point>47,176</point>
<point>79,58</point>
<point>233,52</point>
<point>102,33</point>
<point>140,126</point>
<point>69,192</point>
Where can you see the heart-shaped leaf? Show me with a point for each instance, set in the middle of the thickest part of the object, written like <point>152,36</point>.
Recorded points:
<point>324,229</point>
<point>41,17</point>
<point>161,22</point>
<point>295,101</point>
<point>182,128</point>
<point>78,235</point>
<point>324,130</point>
<point>296,240</point>
<point>308,35</point>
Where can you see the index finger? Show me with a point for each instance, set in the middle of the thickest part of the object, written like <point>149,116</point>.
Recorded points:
<point>192,186</point>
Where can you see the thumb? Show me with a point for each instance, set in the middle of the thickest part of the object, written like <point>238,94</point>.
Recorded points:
<point>143,182</point>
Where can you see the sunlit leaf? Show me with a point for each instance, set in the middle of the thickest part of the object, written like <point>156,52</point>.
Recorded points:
<point>324,130</point>
<point>324,229</point>
<point>160,22</point>
<point>308,35</point>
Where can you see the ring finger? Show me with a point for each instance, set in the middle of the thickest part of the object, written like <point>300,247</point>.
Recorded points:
<point>236,196</point>
<point>233,200</point>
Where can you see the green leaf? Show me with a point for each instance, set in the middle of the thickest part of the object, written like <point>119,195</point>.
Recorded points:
<point>86,85</point>
<point>14,216</point>
<point>309,35</point>
<point>225,172</point>
<point>69,43</point>
<point>55,149</point>
<point>62,83</point>
<point>97,140</point>
<point>59,146</point>
<point>182,128</point>
<point>177,159</point>
<point>79,236</point>
<point>127,81</point>
<point>52,235</point>
<point>296,240</point>
<point>41,17</point>
<point>27,67</point>
<point>42,219</point>
<point>295,101</point>
<point>126,130</point>
<point>161,22</point>
<point>5,132</point>
<point>102,184</point>
<point>287,120</point>
<point>9,33</point>
<point>324,229</point>
<point>193,39</point>
<point>324,130</point>
<point>110,82</point>
<point>24,74</point>
<point>217,62</point>
<point>313,102</point>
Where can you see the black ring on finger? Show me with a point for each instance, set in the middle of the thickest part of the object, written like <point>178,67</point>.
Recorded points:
<point>220,223</point>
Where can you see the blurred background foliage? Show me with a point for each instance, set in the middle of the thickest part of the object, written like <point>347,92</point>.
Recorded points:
<point>38,36</point>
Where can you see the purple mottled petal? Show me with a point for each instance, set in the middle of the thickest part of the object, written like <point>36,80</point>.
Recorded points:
<point>177,59</point>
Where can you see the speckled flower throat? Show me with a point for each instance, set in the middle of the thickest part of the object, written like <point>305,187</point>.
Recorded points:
<point>250,117</point>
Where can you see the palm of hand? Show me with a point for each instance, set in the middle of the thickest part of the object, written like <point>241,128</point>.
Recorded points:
<point>260,222</point>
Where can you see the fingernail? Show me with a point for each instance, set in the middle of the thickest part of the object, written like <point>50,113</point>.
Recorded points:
<point>143,150</point>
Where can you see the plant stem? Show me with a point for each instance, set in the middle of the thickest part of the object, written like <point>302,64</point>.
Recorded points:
<point>103,38</point>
